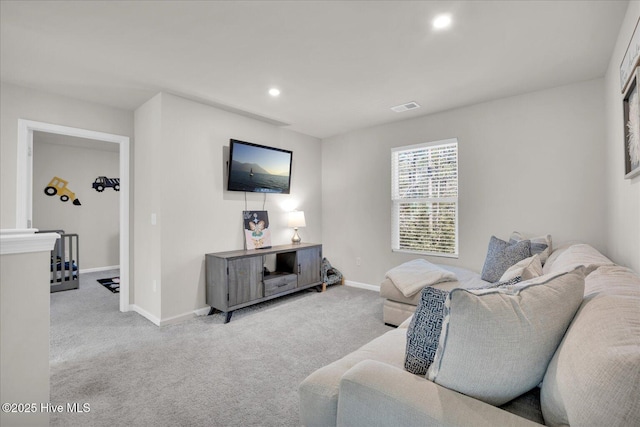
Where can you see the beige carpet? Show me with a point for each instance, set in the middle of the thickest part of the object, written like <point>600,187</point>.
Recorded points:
<point>200,372</point>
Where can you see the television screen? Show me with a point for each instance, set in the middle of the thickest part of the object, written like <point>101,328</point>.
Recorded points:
<point>257,168</point>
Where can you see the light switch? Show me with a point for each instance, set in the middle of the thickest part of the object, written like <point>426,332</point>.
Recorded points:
<point>154,219</point>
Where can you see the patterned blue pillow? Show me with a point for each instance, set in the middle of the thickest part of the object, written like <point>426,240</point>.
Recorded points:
<point>501,255</point>
<point>424,330</point>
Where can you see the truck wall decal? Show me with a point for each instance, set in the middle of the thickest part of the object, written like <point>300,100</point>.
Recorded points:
<point>103,182</point>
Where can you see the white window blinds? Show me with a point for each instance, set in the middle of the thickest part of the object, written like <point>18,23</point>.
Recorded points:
<point>424,194</point>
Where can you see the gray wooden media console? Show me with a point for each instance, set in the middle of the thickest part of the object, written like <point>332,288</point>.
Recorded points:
<point>237,279</point>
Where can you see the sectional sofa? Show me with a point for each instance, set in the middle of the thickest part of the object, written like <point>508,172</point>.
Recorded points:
<point>590,377</point>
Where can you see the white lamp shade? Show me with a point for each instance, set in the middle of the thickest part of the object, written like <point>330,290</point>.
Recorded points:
<point>296,219</point>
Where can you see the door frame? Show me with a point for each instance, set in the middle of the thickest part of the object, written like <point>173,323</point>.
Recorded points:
<point>24,192</point>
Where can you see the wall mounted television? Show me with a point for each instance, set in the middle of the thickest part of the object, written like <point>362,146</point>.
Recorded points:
<point>258,168</point>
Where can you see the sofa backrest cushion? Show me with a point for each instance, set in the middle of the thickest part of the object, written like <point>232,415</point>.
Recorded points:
<point>575,255</point>
<point>496,343</point>
<point>594,376</point>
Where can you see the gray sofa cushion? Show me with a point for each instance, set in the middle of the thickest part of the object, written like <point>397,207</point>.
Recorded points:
<point>496,343</point>
<point>502,255</point>
<point>594,376</point>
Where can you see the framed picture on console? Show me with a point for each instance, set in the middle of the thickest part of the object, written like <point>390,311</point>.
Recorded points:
<point>256,229</point>
<point>631,108</point>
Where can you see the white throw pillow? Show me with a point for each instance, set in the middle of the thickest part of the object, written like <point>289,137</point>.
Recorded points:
<point>528,268</point>
<point>539,245</point>
<point>496,343</point>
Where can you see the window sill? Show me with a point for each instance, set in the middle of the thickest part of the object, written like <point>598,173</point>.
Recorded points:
<point>433,254</point>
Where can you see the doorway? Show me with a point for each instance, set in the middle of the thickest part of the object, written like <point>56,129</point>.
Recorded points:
<point>24,206</point>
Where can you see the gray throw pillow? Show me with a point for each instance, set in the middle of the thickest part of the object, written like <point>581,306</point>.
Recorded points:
<point>502,255</point>
<point>424,330</point>
<point>496,343</point>
<point>423,333</point>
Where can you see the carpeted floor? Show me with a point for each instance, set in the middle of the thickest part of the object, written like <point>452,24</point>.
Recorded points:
<point>200,372</point>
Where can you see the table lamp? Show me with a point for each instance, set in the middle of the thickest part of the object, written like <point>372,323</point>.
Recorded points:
<point>296,219</point>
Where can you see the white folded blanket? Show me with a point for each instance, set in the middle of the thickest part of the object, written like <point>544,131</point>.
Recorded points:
<point>412,276</point>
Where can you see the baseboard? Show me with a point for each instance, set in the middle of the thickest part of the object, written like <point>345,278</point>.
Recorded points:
<point>202,311</point>
<point>362,285</point>
<point>170,320</point>
<point>177,319</point>
<point>96,269</point>
<point>144,313</point>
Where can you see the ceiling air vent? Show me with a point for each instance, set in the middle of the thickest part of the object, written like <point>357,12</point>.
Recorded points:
<point>405,107</point>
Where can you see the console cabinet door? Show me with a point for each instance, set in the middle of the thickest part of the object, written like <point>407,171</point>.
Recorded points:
<point>309,261</point>
<point>245,280</point>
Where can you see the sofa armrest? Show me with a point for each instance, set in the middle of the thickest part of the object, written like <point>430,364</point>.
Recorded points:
<point>376,394</point>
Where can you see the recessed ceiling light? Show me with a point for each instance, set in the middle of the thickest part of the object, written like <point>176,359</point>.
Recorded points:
<point>441,21</point>
<point>274,91</point>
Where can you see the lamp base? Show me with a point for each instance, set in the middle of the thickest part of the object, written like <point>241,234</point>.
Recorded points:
<point>296,237</point>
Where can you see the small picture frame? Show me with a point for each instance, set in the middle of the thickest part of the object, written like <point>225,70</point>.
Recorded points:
<point>631,108</point>
<point>256,229</point>
<point>631,59</point>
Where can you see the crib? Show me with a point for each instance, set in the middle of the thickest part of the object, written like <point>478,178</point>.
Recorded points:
<point>65,261</point>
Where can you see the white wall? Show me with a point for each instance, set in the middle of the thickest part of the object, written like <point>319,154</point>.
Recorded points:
<point>623,195</point>
<point>96,220</point>
<point>18,102</point>
<point>147,178</point>
<point>24,324</point>
<point>532,163</point>
<point>181,146</point>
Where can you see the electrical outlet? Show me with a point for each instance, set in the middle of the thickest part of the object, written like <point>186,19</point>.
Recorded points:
<point>358,261</point>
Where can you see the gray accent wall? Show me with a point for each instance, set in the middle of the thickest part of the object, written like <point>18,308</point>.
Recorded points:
<point>532,163</point>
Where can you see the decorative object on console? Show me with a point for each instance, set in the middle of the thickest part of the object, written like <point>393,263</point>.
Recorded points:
<point>296,220</point>
<point>631,107</point>
<point>502,255</point>
<point>256,229</point>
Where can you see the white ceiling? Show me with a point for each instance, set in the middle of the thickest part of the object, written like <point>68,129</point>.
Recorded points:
<point>341,65</point>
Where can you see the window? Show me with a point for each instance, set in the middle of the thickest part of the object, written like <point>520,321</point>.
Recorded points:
<point>424,194</point>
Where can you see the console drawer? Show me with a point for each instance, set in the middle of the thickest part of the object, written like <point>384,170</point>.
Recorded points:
<point>279,283</point>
